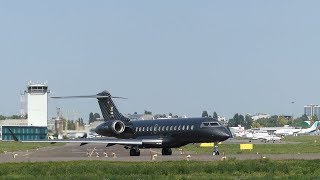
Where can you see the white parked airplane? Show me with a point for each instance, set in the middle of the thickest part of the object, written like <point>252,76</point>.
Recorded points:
<point>263,136</point>
<point>286,131</point>
<point>272,138</point>
<point>310,129</point>
<point>238,131</point>
<point>256,135</point>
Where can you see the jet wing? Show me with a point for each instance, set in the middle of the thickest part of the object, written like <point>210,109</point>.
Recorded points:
<point>98,141</point>
<point>102,141</point>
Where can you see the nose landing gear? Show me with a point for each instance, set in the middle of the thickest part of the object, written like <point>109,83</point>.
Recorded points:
<point>215,149</point>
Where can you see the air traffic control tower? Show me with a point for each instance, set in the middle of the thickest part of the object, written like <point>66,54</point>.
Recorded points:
<point>37,104</point>
<point>36,128</point>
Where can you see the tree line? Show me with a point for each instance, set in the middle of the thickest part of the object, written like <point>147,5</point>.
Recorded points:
<point>2,117</point>
<point>273,121</point>
<point>93,117</point>
<point>205,114</point>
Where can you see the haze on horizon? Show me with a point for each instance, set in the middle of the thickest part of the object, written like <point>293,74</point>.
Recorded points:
<point>170,56</point>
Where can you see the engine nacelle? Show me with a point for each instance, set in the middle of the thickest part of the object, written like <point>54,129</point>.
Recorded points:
<point>118,127</point>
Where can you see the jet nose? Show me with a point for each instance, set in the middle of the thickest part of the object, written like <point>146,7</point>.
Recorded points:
<point>229,132</point>
<point>226,133</point>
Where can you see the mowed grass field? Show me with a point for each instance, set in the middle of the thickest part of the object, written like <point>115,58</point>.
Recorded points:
<point>229,169</point>
<point>11,146</point>
<point>289,145</point>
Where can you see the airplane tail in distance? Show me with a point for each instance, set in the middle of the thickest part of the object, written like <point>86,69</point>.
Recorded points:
<point>315,125</point>
<point>108,109</point>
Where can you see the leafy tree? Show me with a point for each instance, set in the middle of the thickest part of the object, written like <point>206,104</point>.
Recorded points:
<point>248,122</point>
<point>304,117</point>
<point>313,119</point>
<point>147,112</point>
<point>205,114</point>
<point>268,122</point>
<point>255,125</point>
<point>14,117</point>
<point>80,120</point>
<point>215,115</point>
<point>71,125</point>
<point>2,117</point>
<point>235,121</point>
<point>96,116</point>
<point>282,121</point>
<point>300,121</point>
<point>91,118</point>
<point>241,120</point>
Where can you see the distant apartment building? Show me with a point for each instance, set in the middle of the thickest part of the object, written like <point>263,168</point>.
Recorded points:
<point>311,110</point>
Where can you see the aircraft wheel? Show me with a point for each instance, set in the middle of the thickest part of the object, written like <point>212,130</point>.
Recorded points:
<point>166,151</point>
<point>138,153</point>
<point>215,149</point>
<point>134,152</point>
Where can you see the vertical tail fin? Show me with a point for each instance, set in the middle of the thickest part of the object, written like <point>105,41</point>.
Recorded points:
<point>108,108</point>
<point>315,125</point>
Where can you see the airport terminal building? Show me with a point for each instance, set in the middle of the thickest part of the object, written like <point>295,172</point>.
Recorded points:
<point>35,126</point>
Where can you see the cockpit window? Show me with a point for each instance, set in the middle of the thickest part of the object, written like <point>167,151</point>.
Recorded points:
<point>210,124</point>
<point>214,124</point>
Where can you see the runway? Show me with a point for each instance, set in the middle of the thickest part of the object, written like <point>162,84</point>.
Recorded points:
<point>74,152</point>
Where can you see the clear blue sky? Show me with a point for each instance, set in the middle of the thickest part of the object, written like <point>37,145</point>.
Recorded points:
<point>166,56</point>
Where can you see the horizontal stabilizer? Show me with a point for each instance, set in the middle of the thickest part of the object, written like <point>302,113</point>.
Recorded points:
<point>90,96</point>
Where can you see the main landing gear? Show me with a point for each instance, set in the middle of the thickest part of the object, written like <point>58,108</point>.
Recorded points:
<point>134,151</point>
<point>166,151</point>
<point>215,149</point>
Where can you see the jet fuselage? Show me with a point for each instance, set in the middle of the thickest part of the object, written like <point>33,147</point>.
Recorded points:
<point>172,132</point>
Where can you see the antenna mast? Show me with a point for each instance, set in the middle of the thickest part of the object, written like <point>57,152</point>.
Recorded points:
<point>22,104</point>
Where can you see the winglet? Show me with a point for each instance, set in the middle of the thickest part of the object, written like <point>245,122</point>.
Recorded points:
<point>13,136</point>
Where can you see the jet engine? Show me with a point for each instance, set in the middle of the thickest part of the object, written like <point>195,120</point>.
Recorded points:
<point>118,127</point>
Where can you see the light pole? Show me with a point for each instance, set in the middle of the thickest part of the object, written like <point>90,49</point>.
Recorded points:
<point>292,102</point>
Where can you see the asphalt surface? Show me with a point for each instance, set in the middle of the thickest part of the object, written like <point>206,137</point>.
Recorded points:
<point>74,152</point>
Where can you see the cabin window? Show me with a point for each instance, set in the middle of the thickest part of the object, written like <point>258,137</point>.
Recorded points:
<point>175,128</point>
<point>214,124</point>
<point>159,128</point>
<point>171,128</point>
<point>148,128</point>
<point>167,128</point>
<point>139,129</point>
<point>151,128</point>
<point>179,127</point>
<point>183,128</point>
<point>192,127</point>
<point>163,127</point>
<point>143,129</point>
<point>187,127</point>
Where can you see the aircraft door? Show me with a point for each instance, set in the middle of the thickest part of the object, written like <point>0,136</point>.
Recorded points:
<point>155,129</point>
